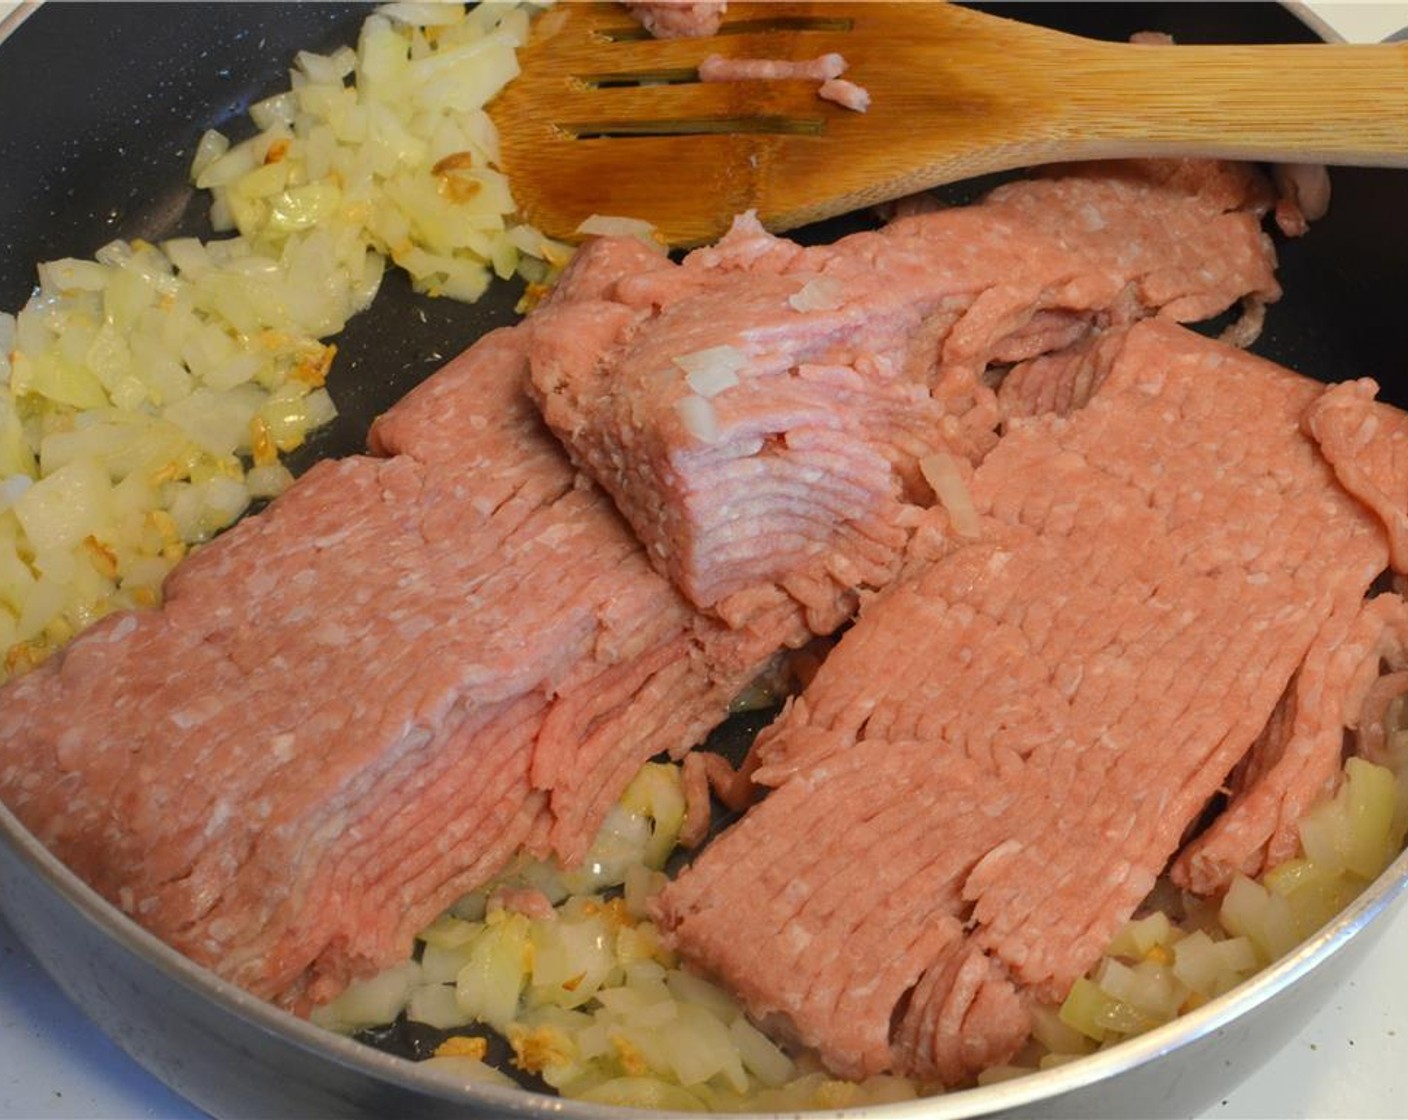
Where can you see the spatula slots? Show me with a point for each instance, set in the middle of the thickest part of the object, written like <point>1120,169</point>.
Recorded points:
<point>605,120</point>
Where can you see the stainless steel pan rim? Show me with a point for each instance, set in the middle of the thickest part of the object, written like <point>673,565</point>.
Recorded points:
<point>1377,898</point>
<point>1197,1026</point>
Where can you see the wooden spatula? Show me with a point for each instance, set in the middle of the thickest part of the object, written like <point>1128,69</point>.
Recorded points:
<point>955,93</point>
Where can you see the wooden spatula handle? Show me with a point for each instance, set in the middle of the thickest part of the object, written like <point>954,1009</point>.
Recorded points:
<point>955,93</point>
<point>1310,103</point>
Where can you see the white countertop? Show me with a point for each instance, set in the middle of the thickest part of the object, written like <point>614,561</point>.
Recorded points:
<point>1350,1061</point>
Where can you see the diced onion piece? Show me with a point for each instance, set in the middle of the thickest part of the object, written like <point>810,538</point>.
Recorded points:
<point>649,1093</point>
<point>657,793</point>
<point>1249,910</point>
<point>449,932</point>
<point>301,207</point>
<point>604,225</point>
<point>459,1068</point>
<point>228,167</point>
<point>268,481</point>
<point>12,487</point>
<point>1084,1009</point>
<point>1197,964</point>
<point>1353,830</point>
<point>59,511</point>
<point>641,884</point>
<point>367,1003</point>
<point>431,14</point>
<point>572,959</point>
<point>941,472</point>
<point>1140,935</point>
<point>689,988</point>
<point>699,1047</point>
<point>489,984</point>
<point>709,372</point>
<point>1150,988</point>
<point>218,423</point>
<point>436,1005</point>
<point>69,273</point>
<point>699,418</point>
<point>208,351</point>
<point>211,146</point>
<point>326,69</point>
<point>820,293</point>
<point>763,1058</point>
<point>1056,1035</point>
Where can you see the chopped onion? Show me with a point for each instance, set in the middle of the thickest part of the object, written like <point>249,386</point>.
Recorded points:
<point>699,418</point>
<point>709,372</point>
<point>603,225</point>
<point>1263,917</point>
<point>436,1005</point>
<point>489,984</point>
<point>268,481</point>
<point>650,1093</point>
<point>459,1068</point>
<point>13,487</point>
<point>1140,935</point>
<point>941,471</point>
<point>59,511</point>
<point>168,379</point>
<point>820,293</point>
<point>1351,831</point>
<point>432,14</point>
<point>762,1057</point>
<point>367,1003</point>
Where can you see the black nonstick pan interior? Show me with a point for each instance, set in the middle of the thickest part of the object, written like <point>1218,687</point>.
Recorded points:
<point>102,104</point>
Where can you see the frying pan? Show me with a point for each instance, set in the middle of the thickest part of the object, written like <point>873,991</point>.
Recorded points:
<point>100,108</point>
